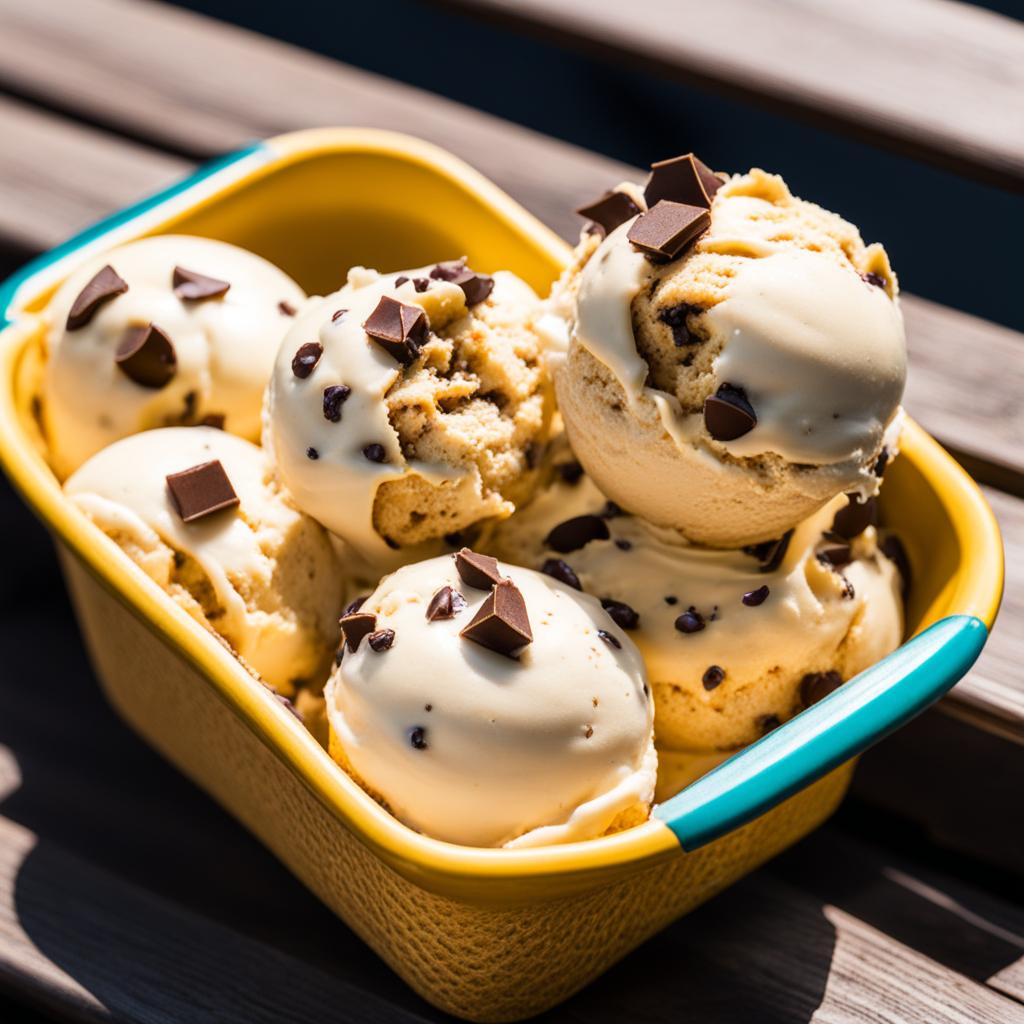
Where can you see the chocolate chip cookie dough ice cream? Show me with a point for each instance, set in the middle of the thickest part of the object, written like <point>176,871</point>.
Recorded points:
<point>161,331</point>
<point>490,705</point>
<point>407,407</point>
<point>737,356</point>
<point>199,512</point>
<point>735,642</point>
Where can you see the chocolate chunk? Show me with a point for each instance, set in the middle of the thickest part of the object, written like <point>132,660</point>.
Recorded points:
<point>421,284</point>
<point>876,279</point>
<point>104,286</point>
<point>476,287</point>
<point>755,597</point>
<point>479,571</point>
<point>816,685</point>
<point>213,419</point>
<point>400,280</point>
<point>576,533</point>
<point>623,545</point>
<point>683,179</point>
<point>770,553</point>
<point>893,549</point>
<point>399,329</point>
<point>445,604</point>
<point>561,571</point>
<point>668,228</point>
<point>375,452</point>
<point>338,315</point>
<point>146,356</point>
<point>356,625</point>
<point>312,454</point>
<point>501,624</point>
<point>334,398</point>
<point>713,677</point>
<point>727,413</point>
<point>418,737</point>
<point>201,490</point>
<point>610,639</point>
<point>191,286</point>
<point>836,557</point>
<point>286,308</point>
<point>611,210</point>
<point>621,613</point>
<point>381,640</point>
<point>449,270</point>
<point>691,621</point>
<point>858,515</point>
<point>765,723</point>
<point>354,605</point>
<point>675,318</point>
<point>570,472</point>
<point>305,359</point>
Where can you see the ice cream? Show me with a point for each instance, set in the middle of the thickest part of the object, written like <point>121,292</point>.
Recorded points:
<point>735,642</point>
<point>734,364</point>
<point>224,542</point>
<point>162,331</point>
<point>514,713</point>
<point>407,407</point>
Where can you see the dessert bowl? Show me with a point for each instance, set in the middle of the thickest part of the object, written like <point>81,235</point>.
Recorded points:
<point>486,934</point>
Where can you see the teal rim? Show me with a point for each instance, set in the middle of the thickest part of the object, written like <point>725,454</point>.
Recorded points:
<point>844,724</point>
<point>9,289</point>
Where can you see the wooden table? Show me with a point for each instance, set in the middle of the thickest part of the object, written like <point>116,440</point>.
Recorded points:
<point>126,895</point>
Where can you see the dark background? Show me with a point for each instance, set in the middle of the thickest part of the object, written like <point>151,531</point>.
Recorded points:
<point>949,240</point>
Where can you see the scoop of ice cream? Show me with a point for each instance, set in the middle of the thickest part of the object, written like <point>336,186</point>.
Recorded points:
<point>550,743</point>
<point>410,406</point>
<point>731,392</point>
<point>259,573</point>
<point>735,642</point>
<point>162,331</point>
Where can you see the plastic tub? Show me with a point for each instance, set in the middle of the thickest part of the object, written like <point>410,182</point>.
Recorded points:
<point>485,934</point>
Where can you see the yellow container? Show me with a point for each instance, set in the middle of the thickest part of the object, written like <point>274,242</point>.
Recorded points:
<point>490,935</point>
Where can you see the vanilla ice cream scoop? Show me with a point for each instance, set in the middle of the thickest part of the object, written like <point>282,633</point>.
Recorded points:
<point>731,391</point>
<point>514,714</point>
<point>406,407</point>
<point>162,331</point>
<point>224,541</point>
<point>735,642</point>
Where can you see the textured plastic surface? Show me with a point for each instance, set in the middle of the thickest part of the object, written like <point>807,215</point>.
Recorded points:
<point>486,934</point>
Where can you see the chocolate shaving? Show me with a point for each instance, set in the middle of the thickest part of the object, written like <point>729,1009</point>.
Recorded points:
<point>305,359</point>
<point>200,491</point>
<point>561,571</point>
<point>191,286</point>
<point>356,625</point>
<point>576,533</point>
<point>146,356</point>
<point>668,228</point>
<point>105,285</point>
<point>621,613</point>
<point>334,398</point>
<point>501,624</point>
<point>728,414</point>
<point>683,179</point>
<point>858,515</point>
<point>611,210</point>
<point>399,329</point>
<point>381,640</point>
<point>816,685</point>
<point>479,571</point>
<point>445,604</point>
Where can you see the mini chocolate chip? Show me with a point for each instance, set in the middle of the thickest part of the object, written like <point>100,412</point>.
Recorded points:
<point>479,571</point>
<point>104,286</point>
<point>610,511</point>
<point>400,280</point>
<point>671,599</point>
<point>501,624</point>
<point>816,685</point>
<point>691,621</point>
<point>381,640</point>
<point>848,592</point>
<point>356,625</point>
<point>728,414</point>
<point>201,490</point>
<point>312,453</point>
<point>418,737</point>
<point>445,604</point>
<point>428,707</point>
<point>856,517</point>
<point>191,286</point>
<point>608,212</point>
<point>375,452</point>
<point>561,571</point>
<point>338,315</point>
<point>836,557</point>
<point>765,723</point>
<point>570,472</point>
<point>334,398</point>
<point>876,279</point>
<point>610,639</point>
<point>147,357</point>
<point>755,597</point>
<point>623,545</point>
<point>576,533</point>
<point>713,677</point>
<point>675,318</point>
<point>893,549</point>
<point>621,613</point>
<point>588,732</point>
<point>286,308</point>
<point>305,359</point>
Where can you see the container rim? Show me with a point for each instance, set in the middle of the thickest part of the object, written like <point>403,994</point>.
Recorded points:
<point>418,857</point>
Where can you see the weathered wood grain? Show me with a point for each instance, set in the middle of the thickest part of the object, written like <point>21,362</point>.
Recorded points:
<point>938,80</point>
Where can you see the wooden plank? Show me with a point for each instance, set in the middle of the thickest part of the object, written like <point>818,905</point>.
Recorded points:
<point>934,79</point>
